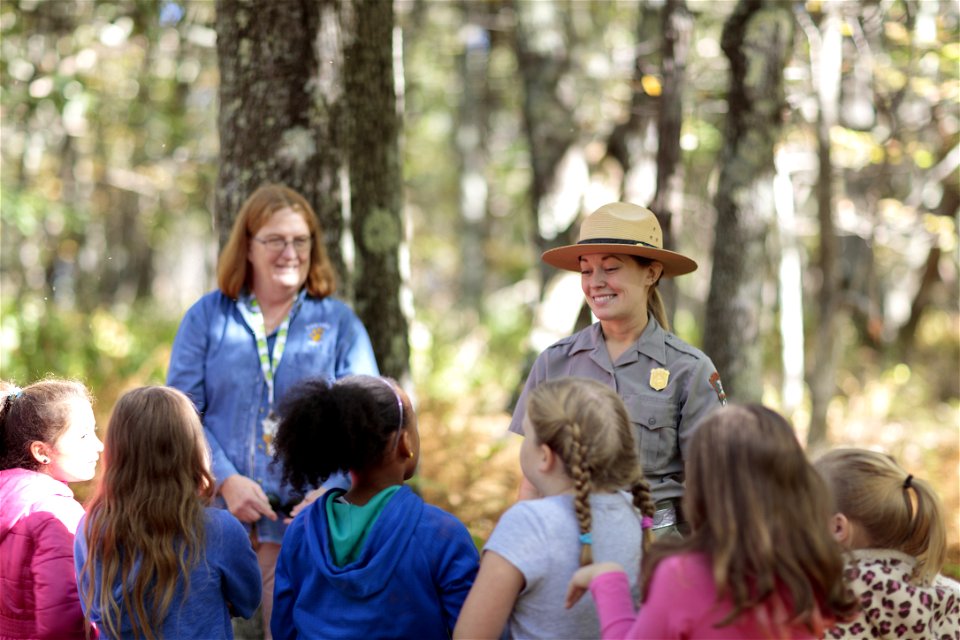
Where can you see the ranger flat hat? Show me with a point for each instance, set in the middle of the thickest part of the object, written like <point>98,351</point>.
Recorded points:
<point>620,227</point>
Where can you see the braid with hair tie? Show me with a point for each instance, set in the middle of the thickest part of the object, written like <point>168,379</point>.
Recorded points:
<point>580,470</point>
<point>644,502</point>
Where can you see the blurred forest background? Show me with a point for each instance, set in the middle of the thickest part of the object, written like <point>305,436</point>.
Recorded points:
<point>804,153</point>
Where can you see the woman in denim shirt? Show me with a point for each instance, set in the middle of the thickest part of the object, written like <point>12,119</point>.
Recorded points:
<point>272,322</point>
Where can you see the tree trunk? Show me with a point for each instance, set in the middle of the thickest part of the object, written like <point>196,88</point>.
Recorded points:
<point>471,148</point>
<point>825,53</point>
<point>790,288</point>
<point>906,335</point>
<point>677,27</point>
<point>542,45</point>
<point>757,39</point>
<point>630,141</point>
<point>376,189</point>
<point>551,130</point>
<point>307,99</point>
<point>280,108</point>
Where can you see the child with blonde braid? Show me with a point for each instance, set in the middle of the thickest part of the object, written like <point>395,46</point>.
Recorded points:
<point>579,452</point>
<point>758,563</point>
<point>891,524</point>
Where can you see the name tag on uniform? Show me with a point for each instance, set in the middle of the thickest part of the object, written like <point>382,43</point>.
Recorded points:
<point>270,424</point>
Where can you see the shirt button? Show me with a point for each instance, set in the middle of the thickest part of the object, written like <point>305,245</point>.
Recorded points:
<point>652,421</point>
<point>260,447</point>
<point>261,409</point>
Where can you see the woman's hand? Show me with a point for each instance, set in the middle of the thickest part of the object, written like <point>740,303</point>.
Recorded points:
<point>308,499</point>
<point>580,581</point>
<point>245,499</point>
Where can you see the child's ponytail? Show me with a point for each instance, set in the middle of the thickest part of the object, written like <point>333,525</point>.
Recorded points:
<point>326,428</point>
<point>310,440</point>
<point>894,509</point>
<point>926,540</point>
<point>8,392</point>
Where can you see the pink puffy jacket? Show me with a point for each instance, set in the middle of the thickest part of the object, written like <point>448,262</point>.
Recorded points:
<point>38,587</point>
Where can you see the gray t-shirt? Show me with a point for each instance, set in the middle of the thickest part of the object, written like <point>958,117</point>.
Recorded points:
<point>542,540</point>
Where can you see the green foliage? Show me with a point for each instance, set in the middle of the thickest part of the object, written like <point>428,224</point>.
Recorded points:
<point>106,352</point>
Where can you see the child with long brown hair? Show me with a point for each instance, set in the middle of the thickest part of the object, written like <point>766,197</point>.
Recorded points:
<point>758,563</point>
<point>579,453</point>
<point>891,524</point>
<point>47,440</point>
<point>152,559</point>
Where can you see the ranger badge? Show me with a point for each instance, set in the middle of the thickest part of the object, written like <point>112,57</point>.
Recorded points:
<point>659,379</point>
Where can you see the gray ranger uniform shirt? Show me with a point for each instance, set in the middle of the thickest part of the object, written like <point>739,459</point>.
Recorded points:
<point>664,418</point>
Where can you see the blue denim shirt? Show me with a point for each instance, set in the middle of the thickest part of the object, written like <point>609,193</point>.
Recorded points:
<point>215,362</point>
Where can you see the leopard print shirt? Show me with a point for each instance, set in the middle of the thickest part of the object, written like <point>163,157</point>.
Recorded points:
<point>892,607</point>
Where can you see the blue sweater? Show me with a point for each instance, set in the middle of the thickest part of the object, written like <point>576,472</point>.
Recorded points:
<point>227,575</point>
<point>410,580</point>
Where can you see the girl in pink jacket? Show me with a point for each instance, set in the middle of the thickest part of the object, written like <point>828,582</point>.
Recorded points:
<point>47,439</point>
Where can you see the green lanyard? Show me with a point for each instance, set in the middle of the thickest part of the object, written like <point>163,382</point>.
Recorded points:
<point>250,310</point>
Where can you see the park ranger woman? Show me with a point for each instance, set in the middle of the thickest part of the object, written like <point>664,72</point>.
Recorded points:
<point>667,385</point>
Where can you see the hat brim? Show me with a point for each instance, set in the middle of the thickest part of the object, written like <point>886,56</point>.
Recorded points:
<point>568,257</point>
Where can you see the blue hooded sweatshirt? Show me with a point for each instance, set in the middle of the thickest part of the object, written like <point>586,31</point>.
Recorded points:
<point>410,579</point>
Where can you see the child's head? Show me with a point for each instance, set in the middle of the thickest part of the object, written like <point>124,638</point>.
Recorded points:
<point>356,424</point>
<point>49,427</point>
<point>879,505</point>
<point>586,425</point>
<point>759,509</point>
<point>155,446</point>
<point>150,503</point>
<point>746,471</point>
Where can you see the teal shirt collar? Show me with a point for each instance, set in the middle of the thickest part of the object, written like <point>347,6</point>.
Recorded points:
<point>350,524</point>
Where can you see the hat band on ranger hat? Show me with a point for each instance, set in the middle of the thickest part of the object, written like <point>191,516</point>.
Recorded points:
<point>620,228</point>
<point>633,243</point>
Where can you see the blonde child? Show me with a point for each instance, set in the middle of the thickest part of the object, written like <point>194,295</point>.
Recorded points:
<point>891,524</point>
<point>374,561</point>
<point>758,563</point>
<point>152,559</point>
<point>47,439</point>
<point>578,451</point>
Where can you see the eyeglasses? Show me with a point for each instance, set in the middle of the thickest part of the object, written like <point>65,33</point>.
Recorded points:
<point>276,244</point>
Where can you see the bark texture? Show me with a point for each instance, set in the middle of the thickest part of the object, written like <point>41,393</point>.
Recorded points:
<point>372,150</point>
<point>756,39</point>
<point>821,375</point>
<point>677,27</point>
<point>307,98</point>
<point>280,107</point>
